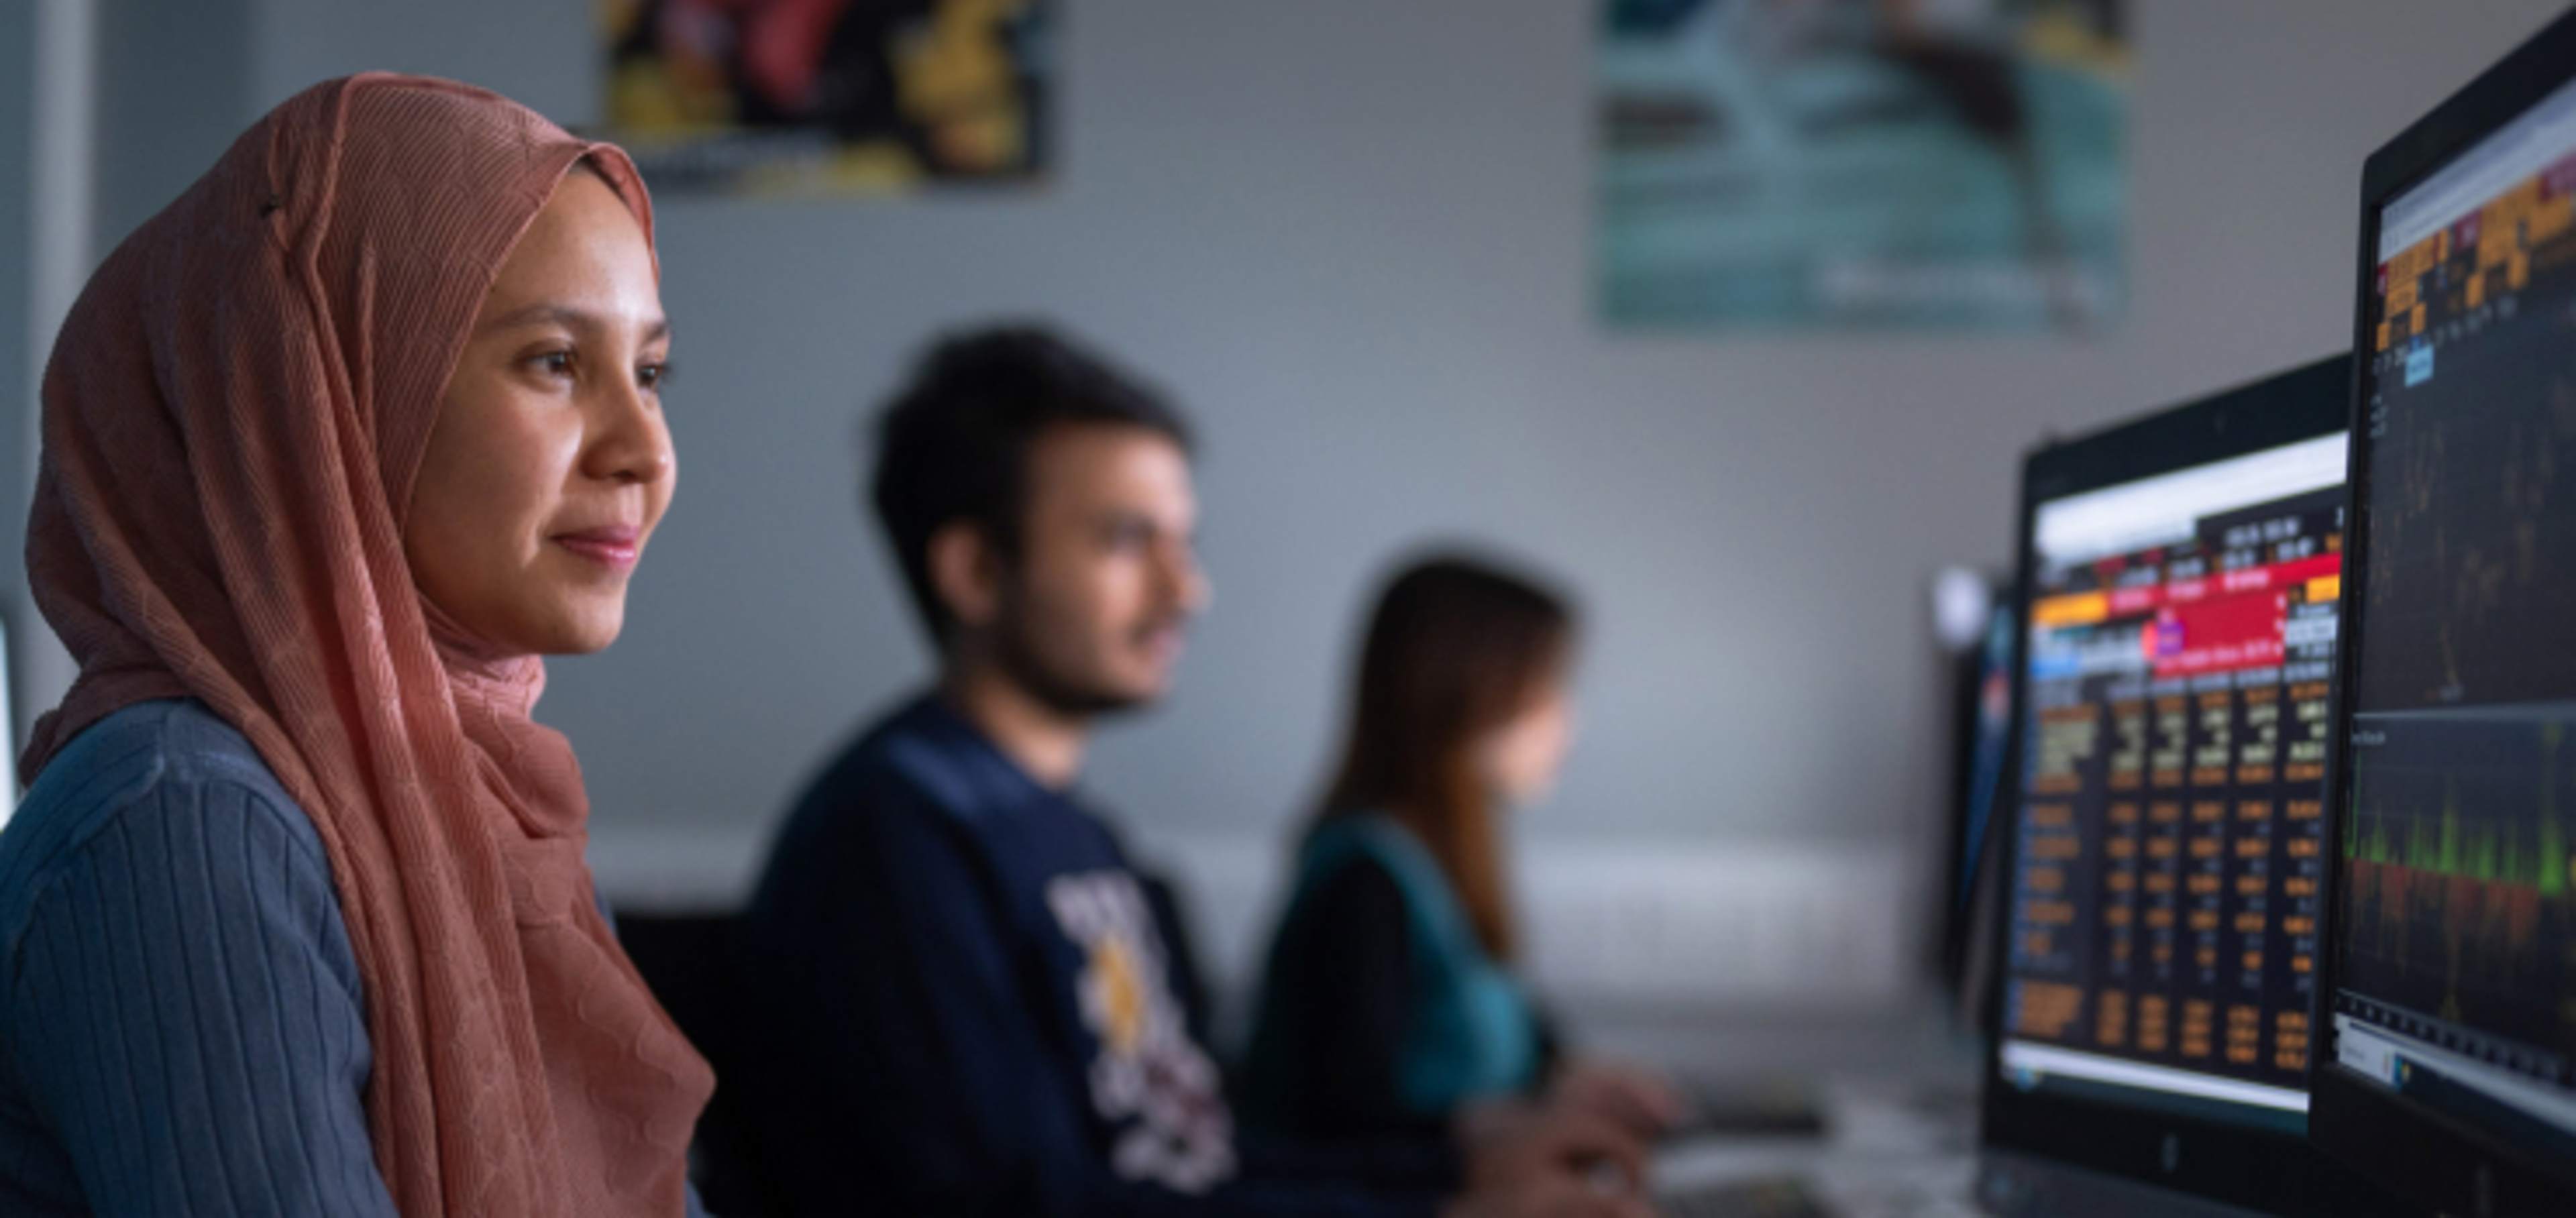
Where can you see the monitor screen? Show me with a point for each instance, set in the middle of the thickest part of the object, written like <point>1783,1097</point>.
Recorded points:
<point>2455,965</point>
<point>2180,647</point>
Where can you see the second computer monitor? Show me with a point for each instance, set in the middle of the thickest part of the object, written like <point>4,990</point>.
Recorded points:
<point>2164,832</point>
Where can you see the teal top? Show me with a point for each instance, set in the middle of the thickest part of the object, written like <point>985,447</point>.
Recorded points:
<point>1381,1010</point>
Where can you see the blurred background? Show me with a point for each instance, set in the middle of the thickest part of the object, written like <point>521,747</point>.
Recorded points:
<point>1375,249</point>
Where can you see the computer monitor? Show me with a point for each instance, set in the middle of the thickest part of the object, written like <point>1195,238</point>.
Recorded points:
<point>2451,966</point>
<point>2162,831</point>
<point>1978,642</point>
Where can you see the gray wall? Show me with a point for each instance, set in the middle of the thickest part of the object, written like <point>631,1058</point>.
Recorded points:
<point>1353,237</point>
<point>17,236</point>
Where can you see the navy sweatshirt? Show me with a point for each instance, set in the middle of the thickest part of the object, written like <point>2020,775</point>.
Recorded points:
<point>967,1009</point>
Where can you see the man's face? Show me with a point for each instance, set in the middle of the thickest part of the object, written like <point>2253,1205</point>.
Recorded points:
<point>1091,609</point>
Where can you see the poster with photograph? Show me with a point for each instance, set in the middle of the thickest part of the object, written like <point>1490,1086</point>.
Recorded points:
<point>1861,164</point>
<point>829,97</point>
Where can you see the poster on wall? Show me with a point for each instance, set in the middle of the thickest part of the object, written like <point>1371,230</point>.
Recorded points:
<point>1860,164</point>
<point>829,97</point>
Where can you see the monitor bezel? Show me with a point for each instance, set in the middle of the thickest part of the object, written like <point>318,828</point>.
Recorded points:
<point>2230,1164</point>
<point>2432,1158</point>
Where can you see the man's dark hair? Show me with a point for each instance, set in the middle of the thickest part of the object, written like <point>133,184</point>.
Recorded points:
<point>953,443</point>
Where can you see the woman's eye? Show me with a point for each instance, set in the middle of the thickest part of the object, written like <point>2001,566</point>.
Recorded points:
<point>651,376</point>
<point>554,363</point>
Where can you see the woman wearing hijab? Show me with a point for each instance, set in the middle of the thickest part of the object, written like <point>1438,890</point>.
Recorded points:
<point>1390,1007</point>
<point>295,917</point>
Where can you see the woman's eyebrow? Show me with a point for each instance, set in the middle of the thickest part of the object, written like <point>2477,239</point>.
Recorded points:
<point>569,318</point>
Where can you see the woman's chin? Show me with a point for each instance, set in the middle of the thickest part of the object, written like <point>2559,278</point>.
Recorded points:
<point>585,630</point>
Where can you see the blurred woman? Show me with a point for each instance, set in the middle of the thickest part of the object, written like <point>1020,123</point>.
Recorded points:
<point>1389,1005</point>
<point>295,914</point>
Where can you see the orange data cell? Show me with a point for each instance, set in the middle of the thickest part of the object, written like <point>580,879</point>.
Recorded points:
<point>2111,1019</point>
<point>2159,882</point>
<point>2118,916</point>
<point>2044,879</point>
<point>2303,847</point>
<point>2253,847</point>
<point>2298,924</point>
<point>2047,1009</point>
<point>2153,1023</point>
<point>2204,884</point>
<point>2204,920</point>
<point>2120,848</point>
<point>2123,813</point>
<point>2302,964</point>
<point>2206,957</point>
<point>2052,816</point>
<point>2165,813</point>
<point>2254,809</point>
<point>2210,775</point>
<point>2251,885</point>
<point>2252,924</point>
<point>2162,954</point>
<point>2038,943</point>
<point>2073,609</point>
<point>2207,847</point>
<point>2208,811</point>
<point>2303,771</point>
<point>2253,962</point>
<point>2253,774</point>
<point>2300,886</point>
<point>2160,919</point>
<point>2056,847</point>
<point>2307,809</point>
<point>2163,847</point>
<point>2049,913</point>
<point>2325,588</point>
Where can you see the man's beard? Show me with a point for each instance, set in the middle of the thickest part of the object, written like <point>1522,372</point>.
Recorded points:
<point>1062,693</point>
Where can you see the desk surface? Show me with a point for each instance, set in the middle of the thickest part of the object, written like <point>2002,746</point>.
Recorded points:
<point>1897,1090</point>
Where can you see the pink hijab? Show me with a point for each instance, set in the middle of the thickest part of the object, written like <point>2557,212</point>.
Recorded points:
<point>233,417</point>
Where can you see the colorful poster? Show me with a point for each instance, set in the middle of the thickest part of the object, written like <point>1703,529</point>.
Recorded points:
<point>827,97</point>
<point>1861,164</point>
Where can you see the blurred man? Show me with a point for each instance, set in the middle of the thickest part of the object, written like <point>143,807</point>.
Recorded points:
<point>968,1003</point>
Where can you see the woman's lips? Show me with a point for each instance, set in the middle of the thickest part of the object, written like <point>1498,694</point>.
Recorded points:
<point>615,548</point>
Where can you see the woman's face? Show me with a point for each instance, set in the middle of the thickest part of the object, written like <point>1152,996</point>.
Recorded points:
<point>1521,758</point>
<point>550,462</point>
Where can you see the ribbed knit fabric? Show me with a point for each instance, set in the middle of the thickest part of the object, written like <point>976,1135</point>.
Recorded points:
<point>234,414</point>
<point>182,1024</point>
<point>183,1029</point>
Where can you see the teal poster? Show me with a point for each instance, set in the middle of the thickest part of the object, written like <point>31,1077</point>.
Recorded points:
<point>1861,164</point>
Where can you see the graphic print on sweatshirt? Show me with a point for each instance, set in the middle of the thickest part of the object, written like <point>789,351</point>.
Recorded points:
<point>1149,1080</point>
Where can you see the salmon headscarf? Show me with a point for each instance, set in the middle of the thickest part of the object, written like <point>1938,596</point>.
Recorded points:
<point>233,417</point>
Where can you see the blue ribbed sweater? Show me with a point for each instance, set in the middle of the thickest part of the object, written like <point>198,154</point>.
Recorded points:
<point>182,1028</point>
